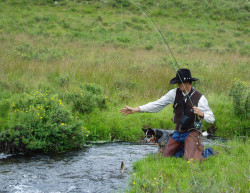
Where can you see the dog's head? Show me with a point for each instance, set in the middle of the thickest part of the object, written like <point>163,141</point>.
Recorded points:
<point>152,135</point>
<point>149,135</point>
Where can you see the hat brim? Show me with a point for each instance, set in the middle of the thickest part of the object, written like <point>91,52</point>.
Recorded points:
<point>177,80</point>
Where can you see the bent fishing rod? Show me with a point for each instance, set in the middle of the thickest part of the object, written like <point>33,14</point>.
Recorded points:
<point>174,61</point>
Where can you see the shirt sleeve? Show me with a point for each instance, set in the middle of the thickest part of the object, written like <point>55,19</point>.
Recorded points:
<point>208,114</point>
<point>159,104</point>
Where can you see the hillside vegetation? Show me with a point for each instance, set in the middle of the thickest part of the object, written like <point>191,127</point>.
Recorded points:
<point>93,57</point>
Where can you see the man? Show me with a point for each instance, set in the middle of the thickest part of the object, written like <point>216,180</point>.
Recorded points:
<point>189,107</point>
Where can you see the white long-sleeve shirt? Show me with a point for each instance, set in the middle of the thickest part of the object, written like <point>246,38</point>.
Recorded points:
<point>169,98</point>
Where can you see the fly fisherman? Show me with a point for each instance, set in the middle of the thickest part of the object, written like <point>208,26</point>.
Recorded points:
<point>189,107</point>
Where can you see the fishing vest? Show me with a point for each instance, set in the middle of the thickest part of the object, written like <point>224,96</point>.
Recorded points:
<point>182,107</point>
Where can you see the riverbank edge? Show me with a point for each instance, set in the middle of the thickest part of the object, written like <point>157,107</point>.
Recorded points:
<point>227,171</point>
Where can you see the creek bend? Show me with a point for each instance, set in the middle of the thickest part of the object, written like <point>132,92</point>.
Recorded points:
<point>91,170</point>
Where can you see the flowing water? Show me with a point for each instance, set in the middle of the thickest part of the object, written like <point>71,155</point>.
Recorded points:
<point>94,169</point>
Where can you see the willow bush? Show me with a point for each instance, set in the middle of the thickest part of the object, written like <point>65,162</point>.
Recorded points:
<point>239,91</point>
<point>39,122</point>
<point>86,99</point>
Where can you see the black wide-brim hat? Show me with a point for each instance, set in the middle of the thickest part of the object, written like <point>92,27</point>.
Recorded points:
<point>183,75</point>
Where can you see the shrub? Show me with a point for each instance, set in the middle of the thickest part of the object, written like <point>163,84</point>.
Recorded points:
<point>123,39</point>
<point>99,18</point>
<point>43,53</point>
<point>64,80</point>
<point>4,107</point>
<point>239,91</point>
<point>89,97</point>
<point>40,122</point>
<point>208,44</point>
<point>149,47</point>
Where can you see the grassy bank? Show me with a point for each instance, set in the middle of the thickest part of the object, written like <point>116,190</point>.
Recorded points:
<point>63,46</point>
<point>228,171</point>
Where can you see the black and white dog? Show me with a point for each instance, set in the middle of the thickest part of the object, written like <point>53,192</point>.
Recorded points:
<point>160,137</point>
<point>157,136</point>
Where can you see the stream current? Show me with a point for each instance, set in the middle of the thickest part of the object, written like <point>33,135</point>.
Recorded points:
<point>91,170</point>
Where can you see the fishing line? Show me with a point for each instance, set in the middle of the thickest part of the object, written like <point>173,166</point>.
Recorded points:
<point>121,15</point>
<point>174,61</point>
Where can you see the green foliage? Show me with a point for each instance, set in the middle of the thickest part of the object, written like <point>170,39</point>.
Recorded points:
<point>216,10</point>
<point>119,3</point>
<point>123,39</point>
<point>208,44</point>
<point>87,99</point>
<point>228,124</point>
<point>64,80</point>
<point>240,93</point>
<point>112,126</point>
<point>4,107</point>
<point>43,54</point>
<point>39,122</point>
<point>108,43</point>
<point>158,174</point>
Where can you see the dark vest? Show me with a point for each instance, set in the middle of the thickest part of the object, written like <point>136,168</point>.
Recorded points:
<point>180,110</point>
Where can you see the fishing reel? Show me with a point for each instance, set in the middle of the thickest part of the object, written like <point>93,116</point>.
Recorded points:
<point>197,121</point>
<point>197,125</point>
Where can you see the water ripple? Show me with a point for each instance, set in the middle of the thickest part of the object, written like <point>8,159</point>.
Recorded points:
<point>92,170</point>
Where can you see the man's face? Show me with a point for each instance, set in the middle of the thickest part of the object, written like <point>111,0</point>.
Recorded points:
<point>184,86</point>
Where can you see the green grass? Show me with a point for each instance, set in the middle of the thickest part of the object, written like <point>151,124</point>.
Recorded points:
<point>228,171</point>
<point>42,44</point>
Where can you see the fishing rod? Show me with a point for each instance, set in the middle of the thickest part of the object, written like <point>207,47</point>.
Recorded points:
<point>197,124</point>
<point>174,61</point>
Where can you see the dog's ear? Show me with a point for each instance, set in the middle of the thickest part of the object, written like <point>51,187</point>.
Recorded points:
<point>151,130</point>
<point>145,130</point>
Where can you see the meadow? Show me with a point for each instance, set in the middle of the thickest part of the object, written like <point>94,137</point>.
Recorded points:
<point>112,44</point>
<point>67,67</point>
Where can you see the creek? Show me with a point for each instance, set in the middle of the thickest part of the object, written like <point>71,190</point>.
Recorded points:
<point>90,170</point>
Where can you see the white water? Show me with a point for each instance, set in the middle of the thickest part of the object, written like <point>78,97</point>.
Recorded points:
<point>95,169</point>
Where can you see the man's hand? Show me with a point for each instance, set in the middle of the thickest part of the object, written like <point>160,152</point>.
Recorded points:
<point>198,112</point>
<point>129,110</point>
